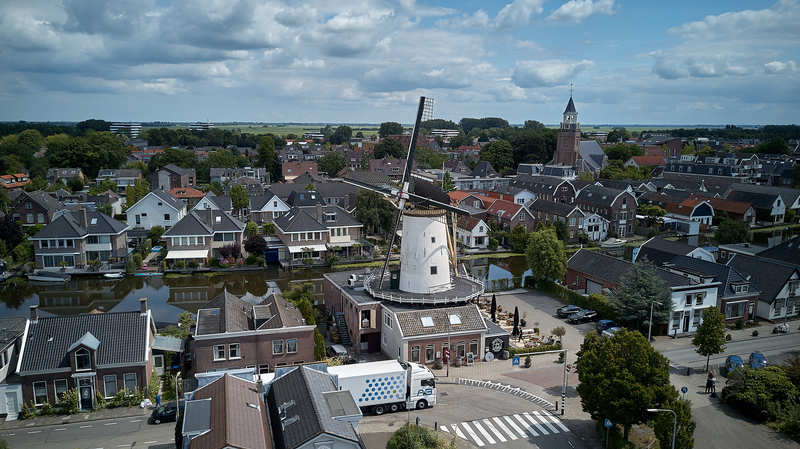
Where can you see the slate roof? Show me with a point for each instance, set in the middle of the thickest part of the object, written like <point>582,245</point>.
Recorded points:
<point>223,202</point>
<point>612,270</point>
<point>768,275</point>
<point>570,106</point>
<point>660,250</point>
<point>788,195</point>
<point>592,154</point>
<point>179,170</point>
<point>119,173</point>
<point>483,170</point>
<point>757,199</point>
<point>67,225</point>
<point>722,273</point>
<point>299,219</point>
<point>341,217</point>
<point>410,319</point>
<point>788,251</point>
<point>230,313</point>
<point>205,222</point>
<point>305,386</point>
<point>122,337</point>
<point>257,202</point>
<point>597,195</point>
<point>552,207</point>
<point>300,198</point>
<point>10,329</point>
<point>42,198</point>
<point>164,196</point>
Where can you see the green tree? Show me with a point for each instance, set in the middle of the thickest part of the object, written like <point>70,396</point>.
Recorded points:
<point>390,129</point>
<point>663,424</point>
<point>776,145</point>
<point>105,185</point>
<point>251,229</point>
<point>562,230</point>
<point>545,255</point>
<point>761,394</point>
<point>447,182</point>
<point>332,163</point>
<point>225,159</point>
<point>268,228</point>
<point>498,153</point>
<point>239,198</point>
<point>341,135</point>
<point>710,336</point>
<point>428,158</point>
<point>622,151</point>
<point>267,156</point>
<point>652,213</point>
<point>460,140</point>
<point>75,184</point>
<point>621,377</point>
<point>388,147</point>
<point>519,238</point>
<point>5,200</point>
<point>137,191</point>
<point>411,436</point>
<point>731,231</point>
<point>155,233</point>
<point>638,288</point>
<point>319,345</point>
<point>374,212</point>
<point>11,164</point>
<point>618,135</point>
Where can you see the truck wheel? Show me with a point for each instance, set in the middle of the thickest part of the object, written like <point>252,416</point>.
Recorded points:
<point>157,421</point>
<point>421,404</point>
<point>394,407</point>
<point>379,410</point>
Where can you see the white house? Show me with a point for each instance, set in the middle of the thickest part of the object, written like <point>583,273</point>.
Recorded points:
<point>472,232</point>
<point>692,209</point>
<point>688,303</point>
<point>157,208</point>
<point>595,227</point>
<point>777,281</point>
<point>214,202</point>
<point>267,207</point>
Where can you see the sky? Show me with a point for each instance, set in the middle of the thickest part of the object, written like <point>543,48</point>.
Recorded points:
<point>367,61</point>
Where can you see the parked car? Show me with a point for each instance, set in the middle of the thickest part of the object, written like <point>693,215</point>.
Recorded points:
<point>757,360</point>
<point>605,324</point>
<point>336,351</point>
<point>165,412</point>
<point>583,316</point>
<point>611,331</point>
<point>731,363</point>
<point>564,312</point>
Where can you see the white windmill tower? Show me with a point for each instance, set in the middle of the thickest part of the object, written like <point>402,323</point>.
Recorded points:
<point>428,268</point>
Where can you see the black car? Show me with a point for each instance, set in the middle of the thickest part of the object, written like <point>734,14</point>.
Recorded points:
<point>165,413</point>
<point>582,316</point>
<point>566,311</point>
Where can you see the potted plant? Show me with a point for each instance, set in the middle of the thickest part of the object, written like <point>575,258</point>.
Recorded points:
<point>528,361</point>
<point>524,321</point>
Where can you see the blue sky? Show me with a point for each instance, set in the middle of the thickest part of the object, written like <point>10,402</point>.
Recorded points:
<point>366,61</point>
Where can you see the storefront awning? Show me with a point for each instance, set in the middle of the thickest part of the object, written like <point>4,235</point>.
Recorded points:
<point>300,249</point>
<point>187,254</point>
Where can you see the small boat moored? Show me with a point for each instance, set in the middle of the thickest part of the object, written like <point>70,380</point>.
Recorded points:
<point>114,275</point>
<point>49,276</point>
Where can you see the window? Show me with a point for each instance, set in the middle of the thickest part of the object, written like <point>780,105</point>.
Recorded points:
<point>460,349</point>
<point>735,310</point>
<point>39,392</point>
<point>28,205</point>
<point>83,360</point>
<point>387,320</point>
<point>110,386</point>
<point>60,387</point>
<point>29,218</point>
<point>291,346</point>
<point>415,353</point>
<point>433,239</point>
<point>699,299</point>
<point>219,352</point>
<point>455,319</point>
<point>427,321</point>
<point>676,320</point>
<point>130,382</point>
<point>688,301</point>
<point>233,351</point>
<point>40,218</point>
<point>166,217</point>
<point>473,347</point>
<point>428,353</point>
<point>433,269</point>
<point>277,346</point>
<point>698,316</point>
<point>43,244</point>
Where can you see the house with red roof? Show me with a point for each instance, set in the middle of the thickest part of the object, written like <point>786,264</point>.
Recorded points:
<point>508,215</point>
<point>646,161</point>
<point>15,181</point>
<point>472,232</point>
<point>693,209</point>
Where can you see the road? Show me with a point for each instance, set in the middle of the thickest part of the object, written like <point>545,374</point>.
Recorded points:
<point>775,347</point>
<point>103,434</point>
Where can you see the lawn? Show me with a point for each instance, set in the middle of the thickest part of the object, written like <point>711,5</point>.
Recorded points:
<point>283,130</point>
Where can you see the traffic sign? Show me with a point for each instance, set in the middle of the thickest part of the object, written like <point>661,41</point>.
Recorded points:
<point>515,361</point>
<point>488,357</point>
<point>684,390</point>
<point>607,423</point>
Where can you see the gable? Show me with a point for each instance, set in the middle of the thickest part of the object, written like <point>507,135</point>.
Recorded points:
<point>703,210</point>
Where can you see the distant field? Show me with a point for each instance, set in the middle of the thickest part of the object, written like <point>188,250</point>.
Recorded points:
<point>605,129</point>
<point>283,130</point>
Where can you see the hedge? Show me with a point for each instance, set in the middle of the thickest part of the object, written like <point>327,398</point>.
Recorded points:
<point>542,348</point>
<point>596,302</point>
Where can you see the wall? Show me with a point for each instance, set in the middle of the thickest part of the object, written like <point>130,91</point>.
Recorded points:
<point>439,342</point>
<point>142,377</point>
<point>255,350</point>
<point>155,213</point>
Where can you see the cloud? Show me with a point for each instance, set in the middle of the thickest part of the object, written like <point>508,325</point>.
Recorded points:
<point>780,67</point>
<point>547,73</point>
<point>579,10</point>
<point>513,15</point>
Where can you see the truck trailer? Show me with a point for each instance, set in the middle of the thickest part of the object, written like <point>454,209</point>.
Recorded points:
<point>387,386</point>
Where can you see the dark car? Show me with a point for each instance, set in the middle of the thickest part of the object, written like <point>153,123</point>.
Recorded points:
<point>165,413</point>
<point>732,362</point>
<point>604,324</point>
<point>757,360</point>
<point>563,312</point>
<point>583,316</point>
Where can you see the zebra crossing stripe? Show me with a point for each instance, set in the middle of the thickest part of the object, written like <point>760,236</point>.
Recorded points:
<point>458,431</point>
<point>514,426</point>
<point>555,421</point>
<point>526,425</point>
<point>535,423</point>
<point>504,428</point>
<point>483,432</point>
<point>444,429</point>
<point>472,434</point>
<point>545,421</point>
<point>496,432</point>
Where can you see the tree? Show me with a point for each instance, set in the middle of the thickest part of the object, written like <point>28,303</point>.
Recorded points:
<point>240,200</point>
<point>388,147</point>
<point>341,135</point>
<point>652,213</point>
<point>559,332</point>
<point>460,140</point>
<point>255,245</point>
<point>106,184</point>
<point>266,153</point>
<point>710,336</point>
<point>663,424</point>
<point>447,182</point>
<point>776,145</point>
<point>332,163</point>
<point>92,124</point>
<point>268,228</point>
<point>5,200</point>
<point>515,331</point>
<point>137,191</point>
<point>75,184</point>
<point>562,230</point>
<point>731,231</point>
<point>225,159</point>
<point>622,151</point>
<point>638,288</point>
<point>545,255</point>
<point>617,135</point>
<point>493,309</point>
<point>319,345</point>
<point>155,233</point>
<point>251,229</point>
<point>519,238</point>
<point>10,231</point>
<point>498,153</point>
<point>761,394</point>
<point>428,158</point>
<point>374,212</point>
<point>411,436</point>
<point>621,377</point>
<point>389,129</point>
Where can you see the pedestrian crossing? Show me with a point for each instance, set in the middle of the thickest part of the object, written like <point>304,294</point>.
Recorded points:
<point>502,429</point>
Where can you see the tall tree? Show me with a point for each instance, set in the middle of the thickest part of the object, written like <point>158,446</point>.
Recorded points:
<point>493,309</point>
<point>731,231</point>
<point>251,229</point>
<point>239,198</point>
<point>545,255</point>
<point>447,182</point>
<point>137,191</point>
<point>621,377</point>
<point>341,135</point>
<point>389,129</point>
<point>519,238</point>
<point>710,336</point>
<point>640,287</point>
<point>332,163</point>
<point>663,424</point>
<point>374,212</point>
<point>266,154</point>
<point>515,331</point>
<point>388,147</point>
<point>498,153</point>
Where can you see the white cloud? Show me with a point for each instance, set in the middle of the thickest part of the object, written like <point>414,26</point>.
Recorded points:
<point>579,10</point>
<point>780,67</point>
<point>302,63</point>
<point>548,73</point>
<point>516,14</point>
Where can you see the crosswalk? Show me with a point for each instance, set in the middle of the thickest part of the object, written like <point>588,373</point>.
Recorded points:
<point>501,429</point>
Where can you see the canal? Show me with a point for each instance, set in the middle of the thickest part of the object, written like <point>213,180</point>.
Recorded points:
<point>168,296</point>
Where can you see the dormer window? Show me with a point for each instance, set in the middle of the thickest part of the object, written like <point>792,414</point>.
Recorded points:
<point>83,360</point>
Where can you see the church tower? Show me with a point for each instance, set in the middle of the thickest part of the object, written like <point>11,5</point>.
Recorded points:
<point>569,137</point>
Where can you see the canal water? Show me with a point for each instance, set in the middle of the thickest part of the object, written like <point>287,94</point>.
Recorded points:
<point>168,296</point>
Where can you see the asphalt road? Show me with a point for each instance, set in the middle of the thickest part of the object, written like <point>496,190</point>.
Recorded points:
<point>775,347</point>
<point>131,432</point>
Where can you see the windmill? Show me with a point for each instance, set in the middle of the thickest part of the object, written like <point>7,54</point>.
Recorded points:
<point>428,266</point>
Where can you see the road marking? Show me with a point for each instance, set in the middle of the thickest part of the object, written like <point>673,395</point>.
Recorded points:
<point>137,420</point>
<point>526,425</point>
<point>150,442</point>
<point>123,445</point>
<point>472,434</point>
<point>538,414</point>
<point>495,431</point>
<point>34,431</point>
<point>505,428</point>
<point>59,429</point>
<point>83,427</point>
<point>444,429</point>
<point>483,431</point>
<point>556,421</point>
<point>11,434</point>
<point>514,426</point>
<point>458,431</point>
<point>536,423</point>
<point>110,424</point>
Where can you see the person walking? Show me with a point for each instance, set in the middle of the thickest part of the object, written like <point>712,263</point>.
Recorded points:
<point>158,399</point>
<point>713,387</point>
<point>708,382</point>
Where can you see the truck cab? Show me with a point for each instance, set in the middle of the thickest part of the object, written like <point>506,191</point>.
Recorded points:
<point>422,387</point>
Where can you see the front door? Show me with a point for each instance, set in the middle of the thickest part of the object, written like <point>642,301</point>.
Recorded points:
<point>85,390</point>
<point>11,403</point>
<point>158,364</point>
<point>686,323</point>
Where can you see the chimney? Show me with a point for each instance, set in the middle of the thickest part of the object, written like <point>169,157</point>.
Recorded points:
<point>143,305</point>
<point>83,218</point>
<point>319,212</point>
<point>34,313</point>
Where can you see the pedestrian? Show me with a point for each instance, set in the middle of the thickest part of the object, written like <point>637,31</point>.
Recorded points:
<point>708,382</point>
<point>713,387</point>
<point>158,399</point>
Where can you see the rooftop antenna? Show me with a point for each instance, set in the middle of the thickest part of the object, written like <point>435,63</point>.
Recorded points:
<point>570,88</point>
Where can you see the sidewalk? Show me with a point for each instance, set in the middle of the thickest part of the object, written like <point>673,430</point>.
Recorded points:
<point>663,342</point>
<point>106,413</point>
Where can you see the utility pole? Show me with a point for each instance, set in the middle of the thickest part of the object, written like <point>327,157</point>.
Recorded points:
<point>650,323</point>
<point>564,385</point>
<point>674,422</point>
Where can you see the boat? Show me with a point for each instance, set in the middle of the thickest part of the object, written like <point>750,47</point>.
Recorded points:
<point>49,276</point>
<point>117,275</point>
<point>149,273</point>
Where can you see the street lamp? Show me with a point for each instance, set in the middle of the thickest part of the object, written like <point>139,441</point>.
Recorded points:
<point>650,323</point>
<point>177,398</point>
<point>674,423</point>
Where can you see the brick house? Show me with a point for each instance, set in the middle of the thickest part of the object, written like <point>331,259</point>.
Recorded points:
<point>30,208</point>
<point>550,211</point>
<point>292,170</point>
<point>234,333</point>
<point>508,215</point>
<point>99,353</point>
<point>550,188</point>
<point>617,206</point>
<point>201,234</point>
<point>357,313</point>
<point>171,176</point>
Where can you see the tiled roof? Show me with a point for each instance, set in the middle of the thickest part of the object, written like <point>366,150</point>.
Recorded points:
<point>230,313</point>
<point>299,219</point>
<point>788,251</point>
<point>503,208</point>
<point>597,195</point>
<point>122,338</point>
<point>10,329</point>
<point>67,225</point>
<point>685,207</point>
<point>43,199</point>
<point>411,325</point>
<point>484,169</point>
<point>169,199</point>
<point>757,199</point>
<point>205,222</point>
<point>552,207</point>
<point>725,274</point>
<point>787,194</point>
<point>768,275</point>
<point>186,192</point>
<point>646,161</point>
<point>179,170</point>
<point>468,222</point>
<point>736,207</point>
<point>612,270</point>
<point>304,197</point>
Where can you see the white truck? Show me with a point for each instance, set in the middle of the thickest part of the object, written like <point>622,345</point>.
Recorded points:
<point>387,386</point>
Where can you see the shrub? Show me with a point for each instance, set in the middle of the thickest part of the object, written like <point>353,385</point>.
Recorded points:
<point>411,436</point>
<point>47,409</point>
<point>180,264</point>
<point>155,233</point>
<point>493,244</point>
<point>728,337</point>
<point>152,388</point>
<point>164,265</point>
<point>540,348</point>
<point>28,411</point>
<point>251,260</point>
<point>99,401</point>
<point>260,261</point>
<point>214,262</point>
<point>70,401</point>
<point>137,260</point>
<point>739,324</point>
<point>528,362</point>
<point>760,393</point>
<point>755,333</point>
<point>193,264</point>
